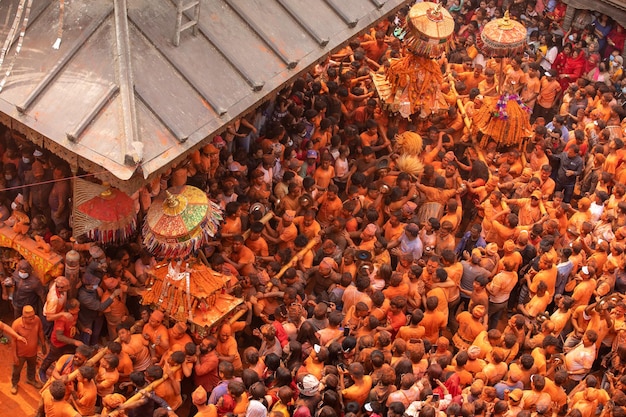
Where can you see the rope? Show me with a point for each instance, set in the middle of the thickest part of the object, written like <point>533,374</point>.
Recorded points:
<point>11,35</point>
<point>19,187</point>
<point>19,43</point>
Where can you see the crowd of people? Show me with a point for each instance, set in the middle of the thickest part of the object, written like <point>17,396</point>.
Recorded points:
<point>490,284</point>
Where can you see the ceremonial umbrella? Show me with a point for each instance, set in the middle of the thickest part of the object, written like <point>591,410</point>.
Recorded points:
<point>104,214</point>
<point>428,29</point>
<point>180,221</point>
<point>502,37</point>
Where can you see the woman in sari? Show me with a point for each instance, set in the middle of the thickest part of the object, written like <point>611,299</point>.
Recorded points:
<point>562,57</point>
<point>615,40</point>
<point>573,68</point>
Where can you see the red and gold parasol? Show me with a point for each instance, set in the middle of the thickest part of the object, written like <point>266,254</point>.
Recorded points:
<point>104,214</point>
<point>502,37</point>
<point>180,221</point>
<point>428,29</point>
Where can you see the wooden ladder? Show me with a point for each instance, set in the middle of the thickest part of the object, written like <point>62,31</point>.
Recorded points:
<point>181,8</point>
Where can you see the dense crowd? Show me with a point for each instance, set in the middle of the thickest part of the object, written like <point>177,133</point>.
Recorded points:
<point>492,283</point>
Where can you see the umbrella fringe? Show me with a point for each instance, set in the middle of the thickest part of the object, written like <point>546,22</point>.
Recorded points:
<point>105,232</point>
<point>184,244</point>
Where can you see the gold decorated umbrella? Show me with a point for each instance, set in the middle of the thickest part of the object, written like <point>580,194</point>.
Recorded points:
<point>502,37</point>
<point>180,222</point>
<point>428,28</point>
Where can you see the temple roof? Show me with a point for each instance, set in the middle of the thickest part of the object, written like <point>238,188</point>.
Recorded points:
<point>118,96</point>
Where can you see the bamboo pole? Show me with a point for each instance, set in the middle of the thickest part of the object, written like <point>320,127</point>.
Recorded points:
<point>74,374</point>
<point>297,257</point>
<point>459,102</point>
<point>136,397</point>
<point>237,315</point>
<point>264,220</point>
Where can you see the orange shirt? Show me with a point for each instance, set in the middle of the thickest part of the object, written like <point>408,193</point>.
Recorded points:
<point>482,341</point>
<point>392,233</point>
<point>528,215</point>
<point>583,292</point>
<point>232,226</point>
<point>328,209</point>
<point>390,292</point>
<point>557,393</point>
<point>396,320</point>
<point>381,312</point>
<point>442,296</point>
<point>86,396</point>
<point>502,233</point>
<point>359,391</point>
<point>259,246</point>
<point>244,257</point>
<point>475,366</point>
<point>31,333</point>
<point>407,332</point>
<point>310,231</point>
<point>125,366</point>
<point>106,380</point>
<point>242,405</point>
<point>532,87</point>
<point>538,304</point>
<point>178,343</point>
<point>454,218</point>
<point>433,322</point>
<point>548,92</point>
<point>286,234</point>
<point>540,359</point>
<point>546,275</point>
<point>229,348</point>
<point>323,177</point>
<point>455,272</point>
<point>469,328</point>
<point>368,245</point>
<point>153,334</point>
<point>54,408</point>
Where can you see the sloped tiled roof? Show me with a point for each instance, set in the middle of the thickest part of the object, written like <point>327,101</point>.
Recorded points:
<point>616,9</point>
<point>119,95</point>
